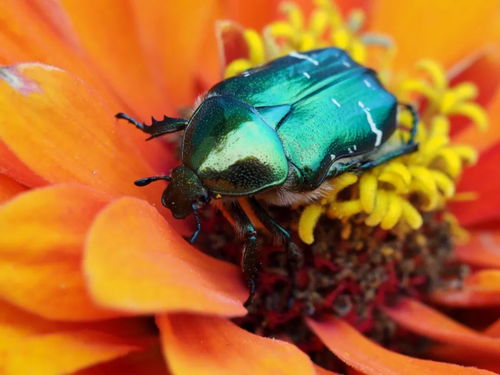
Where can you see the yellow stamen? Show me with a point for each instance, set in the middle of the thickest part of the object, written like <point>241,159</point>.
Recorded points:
<point>380,209</point>
<point>236,67</point>
<point>394,211</point>
<point>367,192</point>
<point>308,221</point>
<point>255,46</point>
<point>344,209</point>
<point>411,215</point>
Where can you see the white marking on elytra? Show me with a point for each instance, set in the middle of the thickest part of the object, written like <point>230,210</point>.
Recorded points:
<point>334,101</point>
<point>367,83</point>
<point>245,74</point>
<point>355,147</point>
<point>307,75</point>
<point>332,157</point>
<point>373,126</point>
<point>304,57</point>
<point>346,63</point>
<point>349,149</point>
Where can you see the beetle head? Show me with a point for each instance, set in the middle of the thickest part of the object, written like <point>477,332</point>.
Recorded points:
<point>185,194</point>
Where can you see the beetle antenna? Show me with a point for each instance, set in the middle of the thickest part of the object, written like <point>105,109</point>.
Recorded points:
<point>147,180</point>
<point>198,224</point>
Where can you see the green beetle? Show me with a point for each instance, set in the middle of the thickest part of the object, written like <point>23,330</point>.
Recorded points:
<point>275,134</point>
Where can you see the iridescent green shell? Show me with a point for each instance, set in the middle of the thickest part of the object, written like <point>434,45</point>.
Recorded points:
<point>304,112</point>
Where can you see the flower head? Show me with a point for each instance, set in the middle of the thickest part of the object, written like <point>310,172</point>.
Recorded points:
<point>87,259</point>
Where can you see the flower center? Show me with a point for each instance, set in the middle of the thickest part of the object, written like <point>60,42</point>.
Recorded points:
<point>349,271</point>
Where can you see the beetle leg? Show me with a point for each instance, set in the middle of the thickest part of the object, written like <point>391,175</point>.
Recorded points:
<point>197,220</point>
<point>414,126</point>
<point>403,150</point>
<point>250,254</point>
<point>157,127</point>
<point>294,252</point>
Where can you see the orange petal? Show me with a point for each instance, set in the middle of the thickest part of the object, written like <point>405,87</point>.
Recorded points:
<point>481,180</point>
<point>108,33</point>
<point>231,41</point>
<point>255,14</point>
<point>460,354</point>
<point>71,136</point>
<point>364,355</point>
<point>149,362</point>
<point>32,345</point>
<point>16,325</point>
<point>351,371</point>
<point>428,322</point>
<point>11,166</point>
<point>63,352</point>
<point>480,289</point>
<point>26,36</point>
<point>322,371</point>
<point>172,34</point>
<point>445,30</point>
<point>494,329</point>
<point>52,14</point>
<point>199,345</point>
<point>41,31</point>
<point>41,237</point>
<point>482,69</point>
<point>137,262</point>
<point>482,249</point>
<point>9,188</point>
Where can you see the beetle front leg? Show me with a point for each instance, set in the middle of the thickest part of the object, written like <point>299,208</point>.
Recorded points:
<point>250,256</point>
<point>157,127</point>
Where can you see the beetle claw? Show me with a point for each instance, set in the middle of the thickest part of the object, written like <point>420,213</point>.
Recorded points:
<point>295,255</point>
<point>252,287</point>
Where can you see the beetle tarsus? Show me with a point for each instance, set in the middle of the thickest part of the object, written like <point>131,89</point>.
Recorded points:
<point>137,124</point>
<point>295,255</point>
<point>252,288</point>
<point>414,114</point>
<point>197,219</point>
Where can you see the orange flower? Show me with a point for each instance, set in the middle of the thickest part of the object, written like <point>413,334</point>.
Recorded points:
<point>87,259</point>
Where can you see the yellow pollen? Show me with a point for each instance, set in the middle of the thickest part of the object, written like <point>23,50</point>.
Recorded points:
<point>398,192</point>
